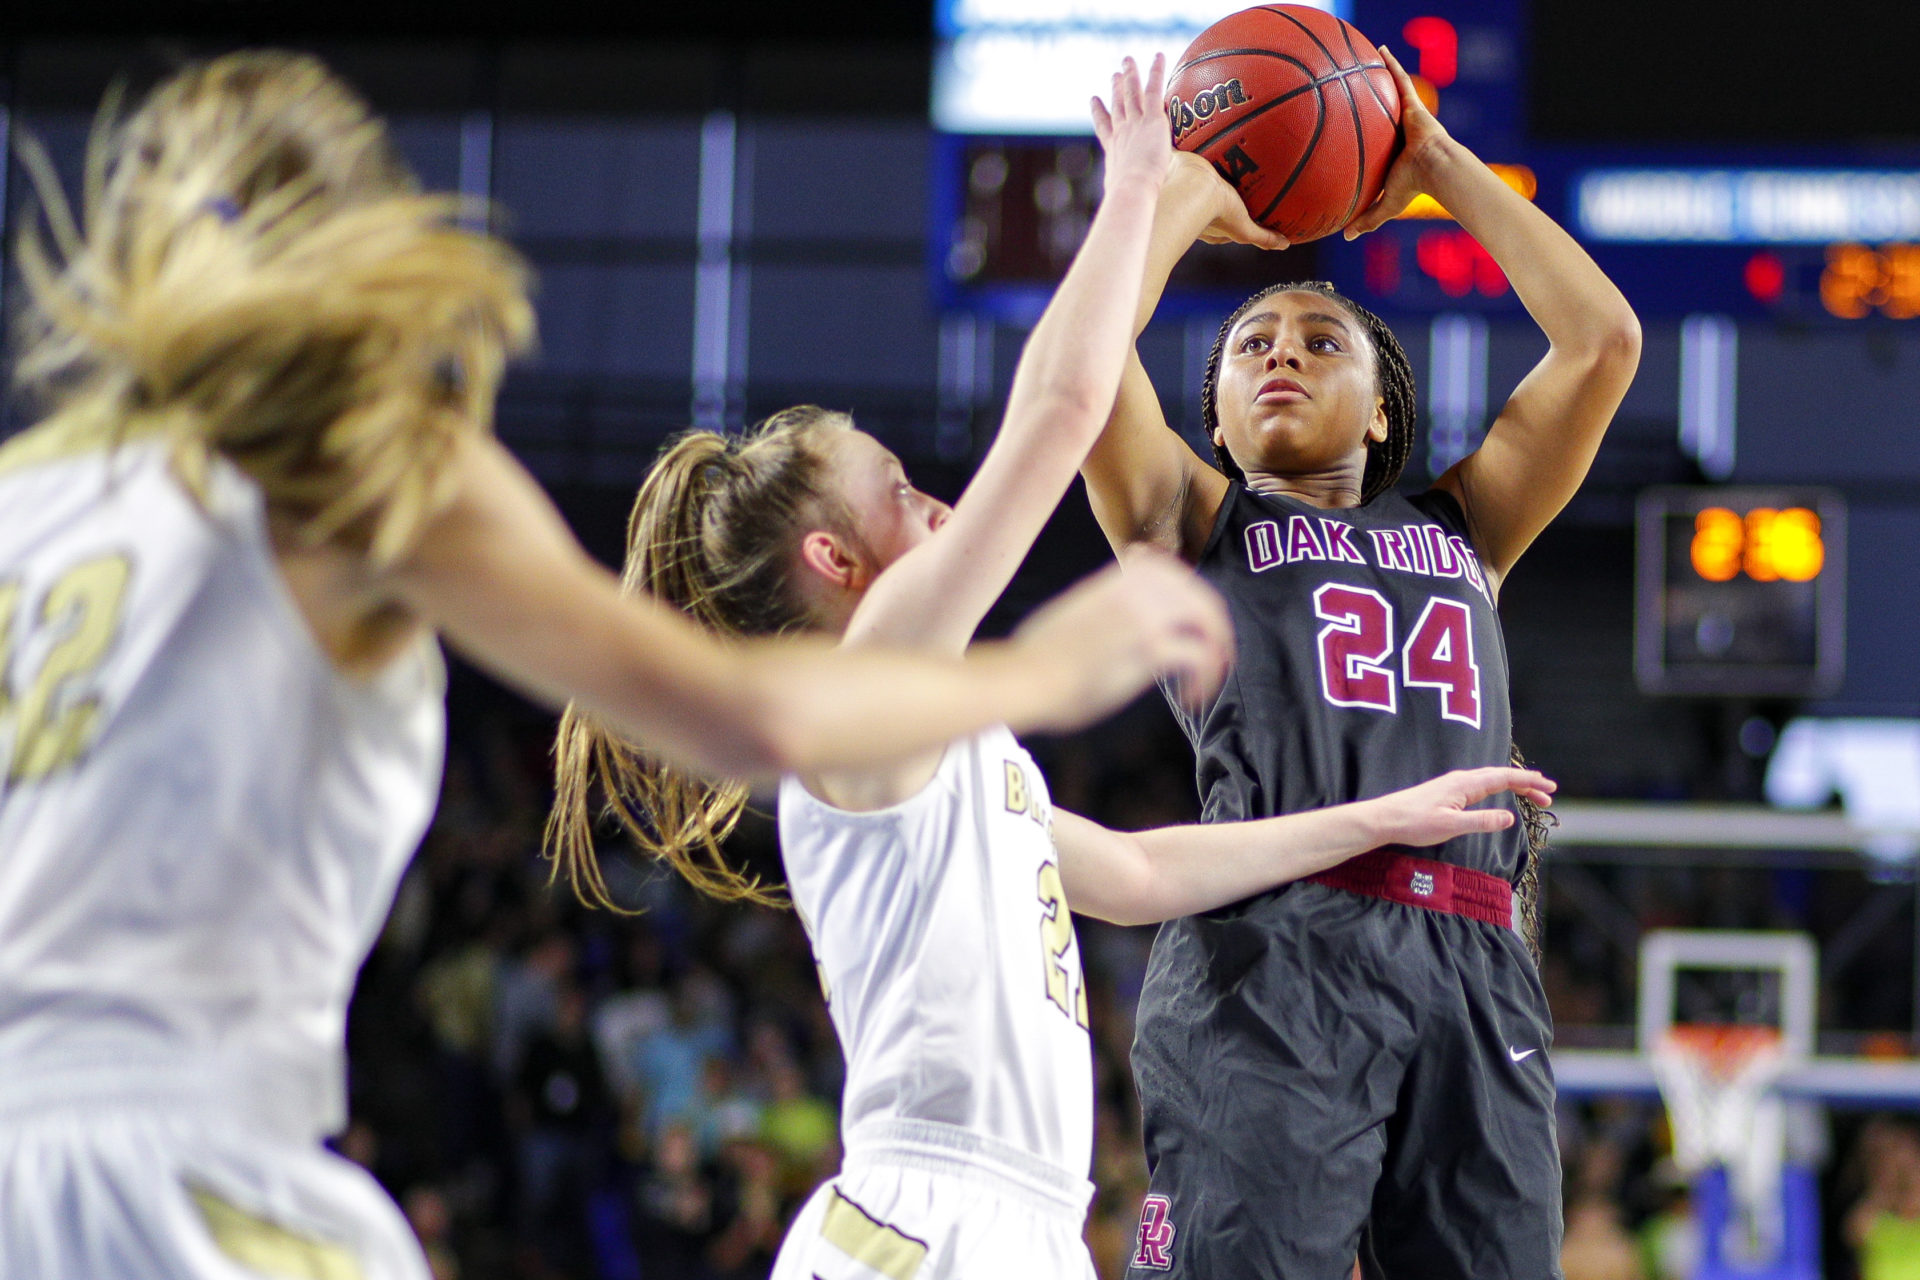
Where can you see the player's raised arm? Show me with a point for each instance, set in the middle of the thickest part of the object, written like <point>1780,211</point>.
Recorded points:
<point>1063,390</point>
<point>1539,448</point>
<point>1145,877</point>
<point>1145,483</point>
<point>502,576</point>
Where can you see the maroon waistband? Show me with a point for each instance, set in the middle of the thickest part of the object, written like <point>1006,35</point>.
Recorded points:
<point>1422,882</point>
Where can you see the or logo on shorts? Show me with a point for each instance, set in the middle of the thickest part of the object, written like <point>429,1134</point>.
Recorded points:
<point>1155,1248</point>
<point>1423,883</point>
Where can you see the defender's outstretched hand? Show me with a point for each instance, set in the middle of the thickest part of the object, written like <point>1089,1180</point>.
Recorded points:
<point>1421,136</point>
<point>1133,132</point>
<point>1119,630</point>
<point>1437,811</point>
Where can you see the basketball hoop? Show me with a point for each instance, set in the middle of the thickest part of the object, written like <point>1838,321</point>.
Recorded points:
<point>1716,1081</point>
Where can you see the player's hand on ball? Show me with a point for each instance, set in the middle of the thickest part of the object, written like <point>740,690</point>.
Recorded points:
<point>1437,811</point>
<point>1421,139</point>
<point>1133,132</point>
<point>1230,222</point>
<point>1110,637</point>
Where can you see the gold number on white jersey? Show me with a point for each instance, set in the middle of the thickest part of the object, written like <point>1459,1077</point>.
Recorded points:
<point>1056,936</point>
<point>53,718</point>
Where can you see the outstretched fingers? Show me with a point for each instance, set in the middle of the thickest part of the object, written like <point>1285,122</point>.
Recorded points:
<point>1475,785</point>
<point>1156,89</point>
<point>1126,90</point>
<point>1131,100</point>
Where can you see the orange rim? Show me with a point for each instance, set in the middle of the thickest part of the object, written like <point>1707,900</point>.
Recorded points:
<point>1723,1047</point>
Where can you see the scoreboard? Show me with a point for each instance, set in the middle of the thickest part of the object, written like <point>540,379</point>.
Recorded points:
<point>1824,234</point>
<point>1740,591</point>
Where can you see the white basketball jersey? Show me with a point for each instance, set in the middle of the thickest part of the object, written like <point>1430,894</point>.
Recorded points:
<point>202,824</point>
<point>948,955</point>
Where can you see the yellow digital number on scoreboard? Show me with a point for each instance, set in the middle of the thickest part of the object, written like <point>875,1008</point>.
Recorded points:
<point>1741,591</point>
<point>1766,544</point>
<point>1859,280</point>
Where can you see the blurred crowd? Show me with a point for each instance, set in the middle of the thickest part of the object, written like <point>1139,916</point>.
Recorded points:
<point>552,1092</point>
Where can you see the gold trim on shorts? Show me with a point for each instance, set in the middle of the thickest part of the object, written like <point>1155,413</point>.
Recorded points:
<point>869,1241</point>
<point>269,1248</point>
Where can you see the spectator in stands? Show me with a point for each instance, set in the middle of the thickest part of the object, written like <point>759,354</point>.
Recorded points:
<point>1884,1226</point>
<point>561,1111</point>
<point>432,1221</point>
<point>525,997</point>
<point>674,1217</point>
<point>1596,1245</point>
<point>669,1063</point>
<point>754,1211</point>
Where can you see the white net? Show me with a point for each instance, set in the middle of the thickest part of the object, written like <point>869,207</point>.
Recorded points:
<point>1717,1085</point>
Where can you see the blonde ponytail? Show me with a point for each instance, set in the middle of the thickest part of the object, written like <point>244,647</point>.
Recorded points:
<point>255,277</point>
<point>715,531</point>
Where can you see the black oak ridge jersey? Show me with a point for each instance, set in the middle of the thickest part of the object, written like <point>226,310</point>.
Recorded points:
<point>1370,658</point>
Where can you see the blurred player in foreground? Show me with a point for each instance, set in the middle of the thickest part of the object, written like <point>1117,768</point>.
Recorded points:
<point>266,479</point>
<point>1364,1053</point>
<point>937,890</point>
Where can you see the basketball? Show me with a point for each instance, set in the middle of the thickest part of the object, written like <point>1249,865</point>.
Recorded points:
<point>1295,108</point>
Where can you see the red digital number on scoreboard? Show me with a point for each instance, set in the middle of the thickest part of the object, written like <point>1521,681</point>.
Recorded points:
<point>1458,263</point>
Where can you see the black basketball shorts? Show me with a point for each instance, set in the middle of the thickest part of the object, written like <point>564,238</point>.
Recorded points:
<point>1325,1076</point>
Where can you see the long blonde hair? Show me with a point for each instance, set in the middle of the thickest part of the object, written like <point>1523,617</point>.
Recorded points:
<point>255,275</point>
<point>716,531</point>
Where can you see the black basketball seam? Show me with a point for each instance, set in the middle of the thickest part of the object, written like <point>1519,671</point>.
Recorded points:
<point>1326,53</point>
<point>1360,144</point>
<point>1347,33</point>
<point>1374,89</point>
<point>1211,54</point>
<point>1319,127</point>
<point>1305,30</point>
<point>1359,133</point>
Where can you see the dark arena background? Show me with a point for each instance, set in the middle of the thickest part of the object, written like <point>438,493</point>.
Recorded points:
<point>732,208</point>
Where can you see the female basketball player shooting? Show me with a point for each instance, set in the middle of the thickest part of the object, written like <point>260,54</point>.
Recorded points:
<point>935,898</point>
<point>1367,1051</point>
<point>266,479</point>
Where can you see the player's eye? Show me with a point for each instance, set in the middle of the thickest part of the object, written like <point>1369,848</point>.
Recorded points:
<point>1323,342</point>
<point>1254,343</point>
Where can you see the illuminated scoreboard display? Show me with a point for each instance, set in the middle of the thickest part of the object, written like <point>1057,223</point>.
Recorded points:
<point>1017,172</point>
<point>1814,233</point>
<point>1741,591</point>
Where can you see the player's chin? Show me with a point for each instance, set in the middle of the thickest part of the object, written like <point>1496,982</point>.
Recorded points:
<point>1288,439</point>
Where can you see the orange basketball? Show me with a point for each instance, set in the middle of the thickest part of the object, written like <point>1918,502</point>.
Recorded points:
<point>1295,108</point>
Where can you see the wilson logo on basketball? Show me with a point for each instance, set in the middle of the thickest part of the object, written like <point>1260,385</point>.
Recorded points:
<point>1208,103</point>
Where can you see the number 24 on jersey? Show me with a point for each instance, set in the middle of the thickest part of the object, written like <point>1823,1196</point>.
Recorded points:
<point>1357,667</point>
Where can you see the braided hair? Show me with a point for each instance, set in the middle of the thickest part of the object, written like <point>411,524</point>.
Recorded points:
<point>1393,374</point>
<point>1538,824</point>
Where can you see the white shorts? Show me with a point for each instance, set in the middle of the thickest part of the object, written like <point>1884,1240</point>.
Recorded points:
<point>922,1201</point>
<point>131,1193</point>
